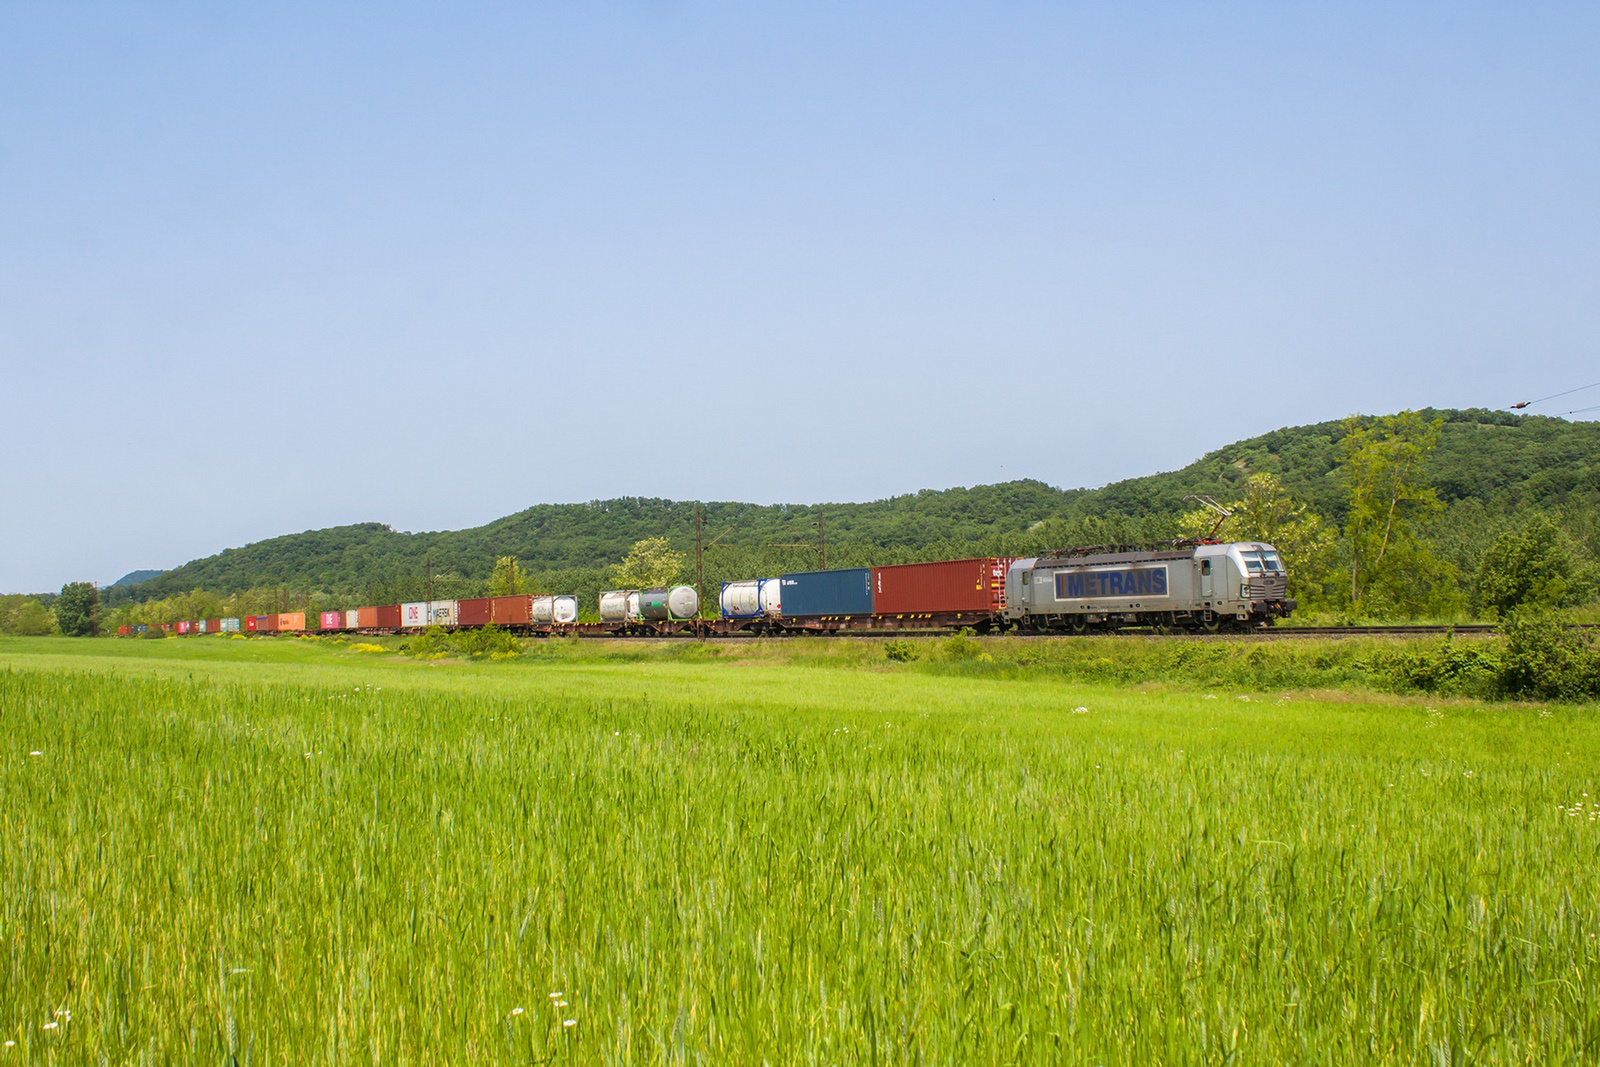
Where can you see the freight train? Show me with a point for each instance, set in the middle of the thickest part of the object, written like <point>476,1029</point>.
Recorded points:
<point>1197,585</point>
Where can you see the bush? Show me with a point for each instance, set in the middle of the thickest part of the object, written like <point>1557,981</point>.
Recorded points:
<point>900,651</point>
<point>1447,667</point>
<point>490,641</point>
<point>962,646</point>
<point>1547,659</point>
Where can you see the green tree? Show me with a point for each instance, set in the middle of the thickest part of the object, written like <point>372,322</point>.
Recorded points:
<point>78,609</point>
<point>508,577</point>
<point>649,562</point>
<point>1392,572</point>
<point>25,616</point>
<point>1536,565</point>
<point>1268,513</point>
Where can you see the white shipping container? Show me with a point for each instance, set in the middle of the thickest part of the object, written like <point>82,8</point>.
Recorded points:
<point>231,626</point>
<point>350,619</point>
<point>442,613</point>
<point>414,614</point>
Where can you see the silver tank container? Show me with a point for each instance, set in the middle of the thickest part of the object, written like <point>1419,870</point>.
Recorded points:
<point>559,610</point>
<point>614,605</point>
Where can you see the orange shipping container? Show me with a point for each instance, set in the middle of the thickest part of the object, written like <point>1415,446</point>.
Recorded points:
<point>291,620</point>
<point>473,611</point>
<point>511,610</point>
<point>952,585</point>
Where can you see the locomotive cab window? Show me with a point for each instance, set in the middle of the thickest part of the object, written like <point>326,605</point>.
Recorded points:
<point>1025,576</point>
<point>1205,567</point>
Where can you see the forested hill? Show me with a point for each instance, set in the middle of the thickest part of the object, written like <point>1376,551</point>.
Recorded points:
<point>1488,465</point>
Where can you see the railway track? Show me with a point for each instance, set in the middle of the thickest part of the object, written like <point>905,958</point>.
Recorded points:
<point>1264,633</point>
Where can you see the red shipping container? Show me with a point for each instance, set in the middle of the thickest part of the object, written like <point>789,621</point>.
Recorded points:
<point>213,626</point>
<point>166,627</point>
<point>511,610</point>
<point>955,585</point>
<point>331,620</point>
<point>250,622</point>
<point>267,624</point>
<point>473,612</point>
<point>124,631</point>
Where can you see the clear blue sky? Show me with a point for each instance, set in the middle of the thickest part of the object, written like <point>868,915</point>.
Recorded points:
<point>266,268</point>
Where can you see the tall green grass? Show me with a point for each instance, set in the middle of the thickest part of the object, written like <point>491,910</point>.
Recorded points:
<point>280,853</point>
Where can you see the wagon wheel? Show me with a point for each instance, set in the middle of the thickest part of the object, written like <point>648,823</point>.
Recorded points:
<point>1078,624</point>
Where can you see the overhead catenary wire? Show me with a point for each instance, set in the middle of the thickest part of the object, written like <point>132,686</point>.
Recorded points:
<point>1579,411</point>
<point>1568,392</point>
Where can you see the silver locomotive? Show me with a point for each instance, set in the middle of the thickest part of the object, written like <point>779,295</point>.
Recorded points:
<point>1181,585</point>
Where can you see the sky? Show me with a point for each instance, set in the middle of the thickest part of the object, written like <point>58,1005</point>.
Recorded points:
<point>268,268</point>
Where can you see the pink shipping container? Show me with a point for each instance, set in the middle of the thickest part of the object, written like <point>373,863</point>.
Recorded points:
<point>331,620</point>
<point>949,586</point>
<point>473,612</point>
<point>511,610</point>
<point>291,620</point>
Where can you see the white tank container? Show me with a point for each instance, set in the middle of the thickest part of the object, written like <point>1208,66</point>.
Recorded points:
<point>614,605</point>
<point>414,614</point>
<point>560,610</point>
<point>771,597</point>
<point>351,619</point>
<point>633,606</point>
<point>741,600</point>
<point>442,612</point>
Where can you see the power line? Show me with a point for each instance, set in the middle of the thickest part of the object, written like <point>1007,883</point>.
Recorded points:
<point>1580,411</point>
<point>1552,396</point>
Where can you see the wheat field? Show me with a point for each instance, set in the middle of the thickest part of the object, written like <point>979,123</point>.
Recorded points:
<point>258,852</point>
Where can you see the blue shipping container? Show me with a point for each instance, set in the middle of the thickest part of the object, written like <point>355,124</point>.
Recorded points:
<point>846,592</point>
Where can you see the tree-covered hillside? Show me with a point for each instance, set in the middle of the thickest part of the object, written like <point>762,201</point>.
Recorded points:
<point>1490,471</point>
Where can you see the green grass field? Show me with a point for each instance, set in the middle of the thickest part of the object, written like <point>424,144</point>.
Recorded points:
<point>288,852</point>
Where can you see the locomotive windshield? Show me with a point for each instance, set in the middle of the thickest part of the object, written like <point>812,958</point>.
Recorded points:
<point>1262,562</point>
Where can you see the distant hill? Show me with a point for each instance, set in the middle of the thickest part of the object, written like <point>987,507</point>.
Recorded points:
<point>1489,465</point>
<point>134,578</point>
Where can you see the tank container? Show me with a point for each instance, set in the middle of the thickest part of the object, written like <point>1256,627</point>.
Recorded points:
<point>751,599</point>
<point>669,602</point>
<point>633,606</point>
<point>827,593</point>
<point>614,605</point>
<point>557,610</point>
